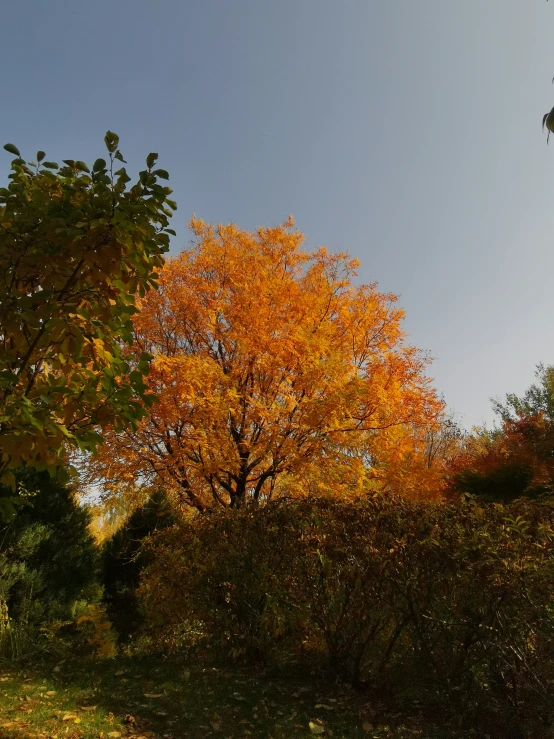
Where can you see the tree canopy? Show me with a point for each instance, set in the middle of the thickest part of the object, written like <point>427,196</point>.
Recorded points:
<point>76,246</point>
<point>515,459</point>
<point>276,375</point>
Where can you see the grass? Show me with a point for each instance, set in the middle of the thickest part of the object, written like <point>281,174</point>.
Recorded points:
<point>130,698</point>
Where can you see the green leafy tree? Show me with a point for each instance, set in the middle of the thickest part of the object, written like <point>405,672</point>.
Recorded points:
<point>76,246</point>
<point>537,399</point>
<point>48,558</point>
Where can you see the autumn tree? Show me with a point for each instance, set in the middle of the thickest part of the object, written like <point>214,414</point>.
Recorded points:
<point>516,458</point>
<point>276,375</point>
<point>424,465</point>
<point>76,246</point>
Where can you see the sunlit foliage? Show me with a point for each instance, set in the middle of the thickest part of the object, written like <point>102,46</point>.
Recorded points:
<point>276,375</point>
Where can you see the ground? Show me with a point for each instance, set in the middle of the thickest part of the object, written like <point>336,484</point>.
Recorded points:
<point>169,699</point>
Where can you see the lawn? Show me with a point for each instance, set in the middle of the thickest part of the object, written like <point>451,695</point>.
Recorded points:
<point>129,698</point>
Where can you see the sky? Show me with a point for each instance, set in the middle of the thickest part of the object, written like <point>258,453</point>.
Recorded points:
<point>406,133</point>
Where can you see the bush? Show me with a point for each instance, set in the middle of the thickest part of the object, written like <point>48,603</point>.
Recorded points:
<point>48,560</point>
<point>460,594</point>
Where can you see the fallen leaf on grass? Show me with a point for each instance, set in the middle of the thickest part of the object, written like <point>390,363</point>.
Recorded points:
<point>325,707</point>
<point>114,734</point>
<point>87,708</point>
<point>50,693</point>
<point>70,716</point>
<point>153,695</point>
<point>367,727</point>
<point>316,728</point>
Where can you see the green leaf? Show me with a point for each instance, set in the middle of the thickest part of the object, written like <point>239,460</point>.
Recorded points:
<point>40,156</point>
<point>151,159</point>
<point>62,475</point>
<point>7,509</point>
<point>64,430</point>
<point>136,377</point>
<point>50,165</point>
<point>99,165</point>
<point>111,140</point>
<point>82,166</point>
<point>69,162</point>
<point>162,174</point>
<point>119,155</point>
<point>12,149</point>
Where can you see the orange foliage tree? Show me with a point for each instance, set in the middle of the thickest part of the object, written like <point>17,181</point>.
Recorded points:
<point>275,376</point>
<point>515,459</point>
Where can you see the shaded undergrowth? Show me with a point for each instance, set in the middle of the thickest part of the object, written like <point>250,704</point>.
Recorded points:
<point>156,697</point>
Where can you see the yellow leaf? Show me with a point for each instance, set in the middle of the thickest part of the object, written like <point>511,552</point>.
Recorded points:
<point>316,728</point>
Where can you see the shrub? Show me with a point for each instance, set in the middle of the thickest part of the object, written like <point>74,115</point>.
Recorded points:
<point>459,593</point>
<point>48,560</point>
<point>50,540</point>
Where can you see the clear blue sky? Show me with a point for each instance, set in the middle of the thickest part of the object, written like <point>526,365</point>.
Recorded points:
<point>406,132</point>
